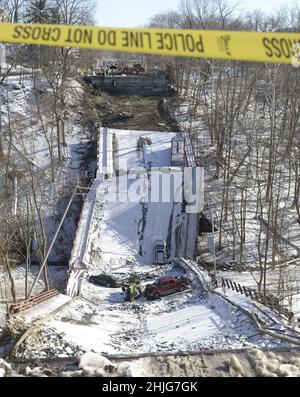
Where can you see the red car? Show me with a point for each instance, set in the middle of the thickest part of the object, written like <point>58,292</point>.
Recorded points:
<point>166,286</point>
<point>135,69</point>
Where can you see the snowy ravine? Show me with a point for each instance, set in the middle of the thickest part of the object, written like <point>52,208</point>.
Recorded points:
<point>119,242</point>
<point>100,321</point>
<point>26,106</point>
<point>228,257</point>
<point>31,157</point>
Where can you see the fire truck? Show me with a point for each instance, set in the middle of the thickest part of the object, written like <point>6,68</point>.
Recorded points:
<point>135,69</point>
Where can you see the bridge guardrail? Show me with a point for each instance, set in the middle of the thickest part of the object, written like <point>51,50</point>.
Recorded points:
<point>267,300</point>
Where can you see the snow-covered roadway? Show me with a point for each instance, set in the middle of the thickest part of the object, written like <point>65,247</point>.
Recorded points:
<point>120,240</point>
<point>127,225</point>
<point>121,237</point>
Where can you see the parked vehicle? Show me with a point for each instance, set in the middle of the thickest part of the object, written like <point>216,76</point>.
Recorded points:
<point>159,252</point>
<point>135,69</point>
<point>166,286</point>
<point>105,280</point>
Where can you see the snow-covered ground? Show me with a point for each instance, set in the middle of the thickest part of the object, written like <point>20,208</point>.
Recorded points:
<point>125,225</point>
<point>251,279</point>
<point>117,237</point>
<point>28,125</point>
<point>281,281</point>
<point>131,154</point>
<point>182,322</point>
<point>203,324</point>
<point>27,113</point>
<point>120,241</point>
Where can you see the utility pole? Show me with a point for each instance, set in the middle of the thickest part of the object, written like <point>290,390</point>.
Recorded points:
<point>212,101</point>
<point>214,245</point>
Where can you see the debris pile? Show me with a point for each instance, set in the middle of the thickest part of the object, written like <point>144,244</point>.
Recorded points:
<point>235,367</point>
<point>5,368</point>
<point>38,372</point>
<point>273,365</point>
<point>47,343</point>
<point>94,365</point>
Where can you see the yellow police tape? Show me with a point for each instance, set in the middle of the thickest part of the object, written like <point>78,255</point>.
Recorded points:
<point>244,46</point>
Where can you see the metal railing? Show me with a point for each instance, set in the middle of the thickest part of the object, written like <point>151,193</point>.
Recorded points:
<point>31,302</point>
<point>267,300</point>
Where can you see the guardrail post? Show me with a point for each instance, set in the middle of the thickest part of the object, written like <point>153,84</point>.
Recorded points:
<point>236,287</point>
<point>257,295</point>
<point>245,291</point>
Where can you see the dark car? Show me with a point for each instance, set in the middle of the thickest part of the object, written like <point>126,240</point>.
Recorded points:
<point>166,286</point>
<point>106,281</point>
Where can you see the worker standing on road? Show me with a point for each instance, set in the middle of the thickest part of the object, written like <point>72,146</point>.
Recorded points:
<point>214,282</point>
<point>224,289</point>
<point>133,290</point>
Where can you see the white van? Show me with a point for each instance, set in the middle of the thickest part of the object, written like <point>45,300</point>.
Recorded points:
<point>159,252</point>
